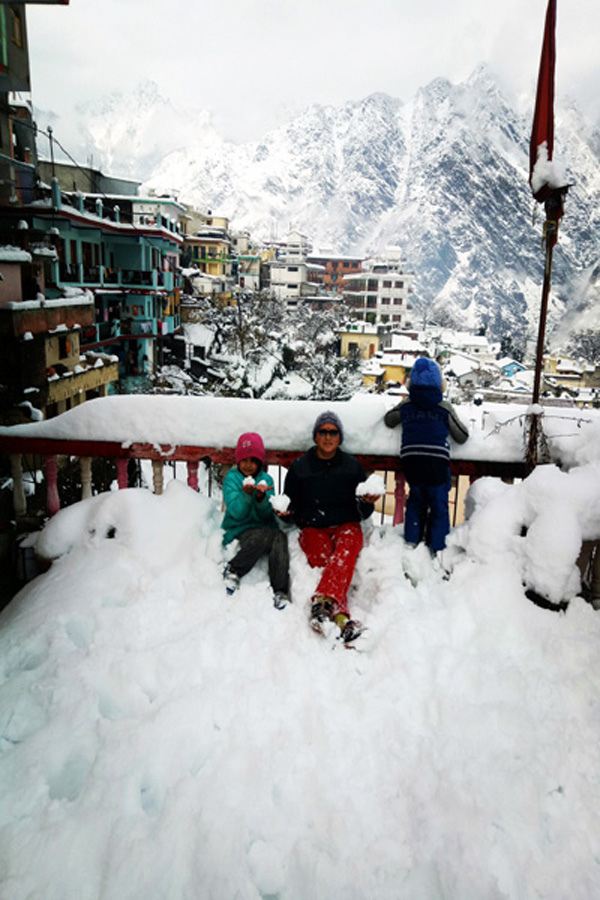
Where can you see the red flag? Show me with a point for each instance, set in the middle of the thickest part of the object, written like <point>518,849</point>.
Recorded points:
<point>543,118</point>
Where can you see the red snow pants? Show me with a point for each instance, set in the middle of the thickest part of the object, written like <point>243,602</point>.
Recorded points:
<point>336,549</point>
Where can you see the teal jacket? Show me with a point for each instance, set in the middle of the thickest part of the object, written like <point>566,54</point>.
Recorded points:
<point>242,510</point>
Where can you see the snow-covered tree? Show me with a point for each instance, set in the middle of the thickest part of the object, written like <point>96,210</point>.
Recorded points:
<point>259,345</point>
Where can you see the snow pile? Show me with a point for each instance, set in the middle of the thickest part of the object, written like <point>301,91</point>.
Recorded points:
<point>536,526</point>
<point>496,431</point>
<point>161,739</point>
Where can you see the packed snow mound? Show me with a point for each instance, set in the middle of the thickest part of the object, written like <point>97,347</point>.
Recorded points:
<point>536,526</point>
<point>161,739</point>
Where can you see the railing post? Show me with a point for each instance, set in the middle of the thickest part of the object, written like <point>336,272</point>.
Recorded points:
<point>192,470</point>
<point>52,499</point>
<point>157,475</point>
<point>399,498</point>
<point>85,465</point>
<point>19,501</point>
<point>122,472</point>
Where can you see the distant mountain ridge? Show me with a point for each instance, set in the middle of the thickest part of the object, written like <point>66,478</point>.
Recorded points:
<point>443,176</point>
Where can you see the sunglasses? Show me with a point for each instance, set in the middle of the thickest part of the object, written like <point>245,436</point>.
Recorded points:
<point>325,432</point>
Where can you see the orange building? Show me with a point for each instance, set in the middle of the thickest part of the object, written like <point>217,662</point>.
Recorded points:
<point>336,269</point>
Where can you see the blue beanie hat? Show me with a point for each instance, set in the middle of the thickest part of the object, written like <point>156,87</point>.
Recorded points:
<point>425,373</point>
<point>328,418</point>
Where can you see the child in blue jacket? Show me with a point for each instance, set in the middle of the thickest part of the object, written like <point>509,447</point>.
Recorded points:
<point>427,421</point>
<point>249,518</point>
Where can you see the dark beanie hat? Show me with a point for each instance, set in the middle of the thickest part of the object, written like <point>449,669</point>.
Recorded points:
<point>328,418</point>
<point>425,373</point>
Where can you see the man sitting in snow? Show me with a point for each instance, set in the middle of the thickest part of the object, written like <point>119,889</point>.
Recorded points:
<point>321,486</point>
<point>427,420</point>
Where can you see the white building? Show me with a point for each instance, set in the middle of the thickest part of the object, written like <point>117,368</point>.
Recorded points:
<point>295,248</point>
<point>289,281</point>
<point>380,294</point>
<point>152,210</point>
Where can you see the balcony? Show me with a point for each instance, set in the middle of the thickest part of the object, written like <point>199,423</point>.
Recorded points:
<point>100,276</point>
<point>138,278</point>
<point>123,428</point>
<point>69,273</point>
<point>92,275</point>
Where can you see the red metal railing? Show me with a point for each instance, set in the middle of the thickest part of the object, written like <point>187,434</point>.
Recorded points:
<point>51,449</point>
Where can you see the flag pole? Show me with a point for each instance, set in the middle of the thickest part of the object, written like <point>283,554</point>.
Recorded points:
<point>554,209</point>
<point>547,188</point>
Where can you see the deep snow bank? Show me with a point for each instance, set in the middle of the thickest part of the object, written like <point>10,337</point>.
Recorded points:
<point>161,739</point>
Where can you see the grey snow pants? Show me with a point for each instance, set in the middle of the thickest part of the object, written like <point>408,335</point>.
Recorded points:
<point>254,543</point>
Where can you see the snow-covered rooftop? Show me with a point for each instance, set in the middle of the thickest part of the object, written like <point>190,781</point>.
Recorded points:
<point>14,255</point>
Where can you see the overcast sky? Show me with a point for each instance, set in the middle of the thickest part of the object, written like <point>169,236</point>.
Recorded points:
<point>255,63</point>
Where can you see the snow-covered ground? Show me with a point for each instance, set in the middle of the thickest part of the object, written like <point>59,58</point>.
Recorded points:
<point>160,739</point>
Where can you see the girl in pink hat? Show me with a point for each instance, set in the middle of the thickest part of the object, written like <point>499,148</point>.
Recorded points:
<point>250,520</point>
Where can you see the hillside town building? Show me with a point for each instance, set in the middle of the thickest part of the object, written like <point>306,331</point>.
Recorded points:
<point>381,292</point>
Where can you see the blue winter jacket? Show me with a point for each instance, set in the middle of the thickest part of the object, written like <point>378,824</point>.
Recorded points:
<point>427,421</point>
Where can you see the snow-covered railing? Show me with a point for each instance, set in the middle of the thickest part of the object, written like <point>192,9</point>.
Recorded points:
<point>192,456</point>
<point>192,429</point>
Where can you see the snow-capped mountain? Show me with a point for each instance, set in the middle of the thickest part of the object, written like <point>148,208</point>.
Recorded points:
<point>443,176</point>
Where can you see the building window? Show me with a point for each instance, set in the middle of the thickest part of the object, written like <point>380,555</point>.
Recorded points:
<point>399,284</point>
<point>17,27</point>
<point>3,47</point>
<point>387,284</point>
<point>385,301</point>
<point>64,347</point>
<point>397,301</point>
<point>371,302</point>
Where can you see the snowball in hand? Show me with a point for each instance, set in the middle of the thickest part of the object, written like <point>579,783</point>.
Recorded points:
<point>280,503</point>
<point>249,480</point>
<point>374,485</point>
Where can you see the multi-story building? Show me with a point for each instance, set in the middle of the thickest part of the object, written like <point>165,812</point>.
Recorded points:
<point>130,271</point>
<point>289,281</point>
<point>18,174</point>
<point>42,365</point>
<point>246,262</point>
<point>295,248</point>
<point>336,269</point>
<point>209,250</point>
<point>381,293</point>
<point>291,277</point>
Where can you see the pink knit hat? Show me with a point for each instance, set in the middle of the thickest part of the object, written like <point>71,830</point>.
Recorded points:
<point>250,444</point>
